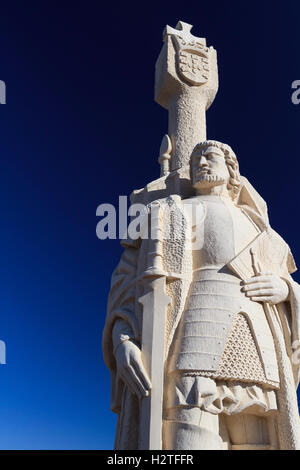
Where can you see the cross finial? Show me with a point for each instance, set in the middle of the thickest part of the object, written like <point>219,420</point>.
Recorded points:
<point>182,31</point>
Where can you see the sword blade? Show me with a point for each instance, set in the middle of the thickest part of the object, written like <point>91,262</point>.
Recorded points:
<point>154,302</point>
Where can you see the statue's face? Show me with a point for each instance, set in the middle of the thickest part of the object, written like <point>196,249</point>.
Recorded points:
<point>209,168</point>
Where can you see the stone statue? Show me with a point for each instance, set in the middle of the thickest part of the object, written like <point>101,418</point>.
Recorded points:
<point>202,317</point>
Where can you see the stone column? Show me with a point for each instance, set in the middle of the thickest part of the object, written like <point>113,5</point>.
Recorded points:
<point>186,83</point>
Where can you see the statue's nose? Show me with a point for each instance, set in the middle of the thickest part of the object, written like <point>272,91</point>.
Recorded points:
<point>202,161</point>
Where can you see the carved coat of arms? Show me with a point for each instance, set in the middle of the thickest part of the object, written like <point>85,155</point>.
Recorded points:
<point>192,54</point>
<point>193,66</point>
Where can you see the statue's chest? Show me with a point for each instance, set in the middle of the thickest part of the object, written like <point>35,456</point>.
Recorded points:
<point>220,231</point>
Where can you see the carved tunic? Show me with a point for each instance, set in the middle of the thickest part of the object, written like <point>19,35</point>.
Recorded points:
<point>214,339</point>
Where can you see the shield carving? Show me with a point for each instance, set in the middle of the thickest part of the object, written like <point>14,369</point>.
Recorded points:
<point>194,67</point>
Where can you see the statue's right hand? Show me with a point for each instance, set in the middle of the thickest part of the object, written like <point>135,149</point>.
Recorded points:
<point>131,368</point>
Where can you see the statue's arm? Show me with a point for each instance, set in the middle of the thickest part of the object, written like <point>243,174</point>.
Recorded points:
<point>121,303</point>
<point>121,347</point>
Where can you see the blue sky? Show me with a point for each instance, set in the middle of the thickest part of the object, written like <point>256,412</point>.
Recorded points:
<point>80,128</point>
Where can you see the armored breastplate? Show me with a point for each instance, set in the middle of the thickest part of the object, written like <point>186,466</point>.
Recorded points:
<point>215,235</point>
<point>215,299</point>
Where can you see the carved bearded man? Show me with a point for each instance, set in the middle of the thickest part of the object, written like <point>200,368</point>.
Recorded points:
<point>230,378</point>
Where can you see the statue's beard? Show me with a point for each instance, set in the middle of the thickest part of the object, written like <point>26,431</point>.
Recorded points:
<point>208,180</point>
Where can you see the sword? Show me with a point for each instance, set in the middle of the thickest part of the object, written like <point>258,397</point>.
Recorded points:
<point>154,303</point>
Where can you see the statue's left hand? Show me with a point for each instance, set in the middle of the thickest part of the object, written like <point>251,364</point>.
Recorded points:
<point>266,287</point>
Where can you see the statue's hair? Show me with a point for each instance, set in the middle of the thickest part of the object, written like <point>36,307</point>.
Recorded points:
<point>231,162</point>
